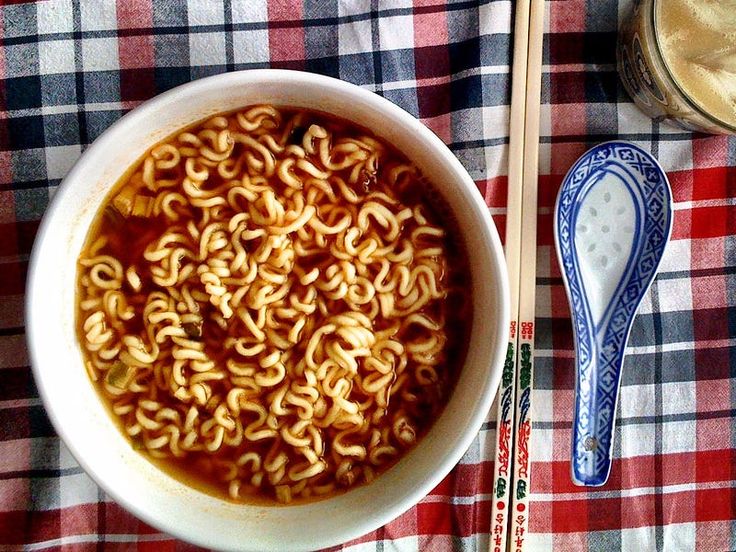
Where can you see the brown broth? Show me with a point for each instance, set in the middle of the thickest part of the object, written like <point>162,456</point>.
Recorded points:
<point>128,238</point>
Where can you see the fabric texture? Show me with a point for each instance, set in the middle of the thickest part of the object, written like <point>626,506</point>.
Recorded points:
<point>69,69</point>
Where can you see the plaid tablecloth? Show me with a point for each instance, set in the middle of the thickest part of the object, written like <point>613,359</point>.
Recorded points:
<point>68,69</point>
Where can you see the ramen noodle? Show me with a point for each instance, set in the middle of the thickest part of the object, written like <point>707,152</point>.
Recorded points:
<point>273,305</point>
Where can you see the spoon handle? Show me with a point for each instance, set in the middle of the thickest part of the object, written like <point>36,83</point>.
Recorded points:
<point>596,393</point>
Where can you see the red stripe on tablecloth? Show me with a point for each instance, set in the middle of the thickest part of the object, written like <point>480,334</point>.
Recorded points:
<point>713,535</point>
<point>714,183</point>
<point>549,187</point>
<point>613,514</point>
<point>134,15</point>
<point>636,472</point>
<point>710,222</point>
<point>13,492</point>
<point>710,151</point>
<point>707,253</point>
<point>567,16</point>
<point>16,457</point>
<point>11,311</point>
<point>568,119</point>
<point>494,190</point>
<point>136,53</point>
<point>286,45</point>
<point>15,424</point>
<point>715,504</point>
<point>441,125</point>
<point>681,223</point>
<point>13,277</point>
<point>145,529</point>
<point>433,100</point>
<point>681,184</point>
<point>430,28</point>
<point>22,527</point>
<point>564,154</point>
<point>545,235</point>
<point>712,324</point>
<point>445,518</point>
<point>156,546</point>
<point>8,232</point>
<point>432,61</point>
<point>82,518</point>
<point>16,237</point>
<point>119,521</point>
<point>709,292</point>
<point>500,222</point>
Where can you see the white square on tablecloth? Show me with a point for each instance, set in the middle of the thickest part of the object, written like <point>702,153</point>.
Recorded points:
<point>678,436</point>
<point>495,122</point>
<point>637,440</point>
<point>494,17</point>
<point>638,538</point>
<point>56,57</point>
<point>250,46</point>
<point>678,536</point>
<point>487,438</point>
<point>545,126</point>
<point>76,489</point>
<point>355,37</point>
<point>206,12</point>
<point>646,307</point>
<point>675,155</point>
<point>206,48</point>
<point>247,12</point>
<point>59,160</point>
<point>353,8</point>
<point>636,401</point>
<point>474,454</point>
<point>100,54</point>
<point>66,460</point>
<point>97,16</point>
<point>541,444</point>
<point>679,396</point>
<point>676,256</point>
<point>539,542</point>
<point>53,17</point>
<point>632,120</point>
<point>397,32</point>
<point>674,294</point>
<point>545,158</point>
<point>497,161</point>
<point>542,405</point>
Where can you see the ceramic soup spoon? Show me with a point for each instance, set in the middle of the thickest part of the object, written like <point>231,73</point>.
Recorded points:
<point>613,219</point>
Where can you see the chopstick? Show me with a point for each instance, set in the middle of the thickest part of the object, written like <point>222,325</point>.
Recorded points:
<point>527,282</point>
<point>501,499</point>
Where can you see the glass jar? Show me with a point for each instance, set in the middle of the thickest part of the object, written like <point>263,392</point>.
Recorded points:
<point>653,53</point>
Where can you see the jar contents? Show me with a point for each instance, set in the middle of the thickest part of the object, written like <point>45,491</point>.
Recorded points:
<point>697,39</point>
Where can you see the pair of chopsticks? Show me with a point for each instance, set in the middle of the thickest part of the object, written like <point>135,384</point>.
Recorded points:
<point>509,517</point>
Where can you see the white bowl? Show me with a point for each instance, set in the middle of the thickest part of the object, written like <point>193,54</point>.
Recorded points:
<point>85,425</point>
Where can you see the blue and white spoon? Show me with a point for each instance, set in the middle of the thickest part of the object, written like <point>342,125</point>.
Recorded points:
<point>613,219</point>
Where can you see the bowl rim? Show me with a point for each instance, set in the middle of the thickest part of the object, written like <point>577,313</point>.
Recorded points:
<point>51,218</point>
